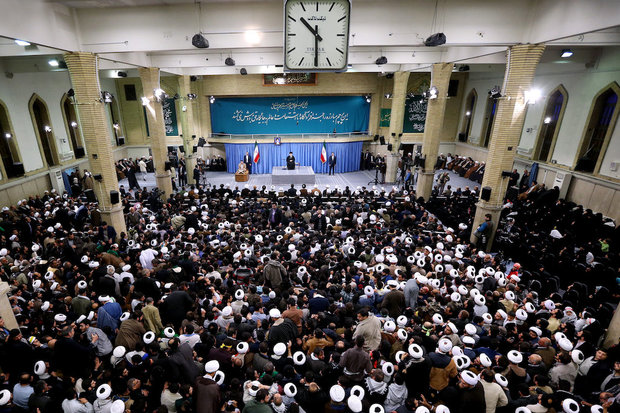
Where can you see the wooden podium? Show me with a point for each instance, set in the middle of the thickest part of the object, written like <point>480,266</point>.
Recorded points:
<point>241,177</point>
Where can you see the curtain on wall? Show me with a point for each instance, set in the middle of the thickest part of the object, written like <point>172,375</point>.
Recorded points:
<point>306,154</point>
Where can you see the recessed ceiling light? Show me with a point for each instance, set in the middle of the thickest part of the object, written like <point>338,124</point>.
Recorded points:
<point>567,53</point>
<point>21,42</point>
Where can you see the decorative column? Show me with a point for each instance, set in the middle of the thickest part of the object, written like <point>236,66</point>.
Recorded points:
<point>520,68</point>
<point>435,112</point>
<point>399,95</point>
<point>155,119</point>
<point>187,124</point>
<point>96,134</point>
<point>204,115</point>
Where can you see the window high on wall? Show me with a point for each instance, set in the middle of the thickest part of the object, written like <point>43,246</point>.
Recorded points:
<point>8,146</point>
<point>552,118</point>
<point>43,130</point>
<point>73,129</point>
<point>489,120</point>
<point>468,115</point>
<point>599,128</point>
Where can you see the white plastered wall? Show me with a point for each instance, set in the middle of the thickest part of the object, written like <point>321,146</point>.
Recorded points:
<point>16,93</point>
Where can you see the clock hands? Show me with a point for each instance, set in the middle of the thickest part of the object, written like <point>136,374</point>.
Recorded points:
<point>315,32</point>
<point>316,46</point>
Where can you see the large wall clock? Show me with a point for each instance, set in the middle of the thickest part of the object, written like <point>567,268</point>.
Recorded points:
<point>316,35</point>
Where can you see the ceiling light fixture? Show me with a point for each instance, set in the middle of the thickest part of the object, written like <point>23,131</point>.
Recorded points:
<point>73,124</point>
<point>253,37</point>
<point>468,113</point>
<point>388,96</point>
<point>431,93</point>
<point>368,98</point>
<point>191,96</point>
<point>381,60</point>
<point>243,71</point>
<point>22,42</point>
<point>46,128</point>
<point>145,100</point>
<point>547,120</point>
<point>159,94</point>
<point>212,99</point>
<point>229,61</point>
<point>567,53</point>
<point>53,62</point>
<point>7,135</point>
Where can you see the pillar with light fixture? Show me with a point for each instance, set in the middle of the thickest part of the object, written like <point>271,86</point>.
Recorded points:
<point>522,61</point>
<point>399,95</point>
<point>187,125</point>
<point>155,119</point>
<point>435,116</point>
<point>93,120</point>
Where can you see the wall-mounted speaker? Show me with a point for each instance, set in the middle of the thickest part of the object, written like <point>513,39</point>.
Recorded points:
<point>181,148</point>
<point>462,137</point>
<point>389,147</point>
<point>167,166</point>
<point>201,142</point>
<point>114,197</point>
<point>121,140</point>
<point>98,177</point>
<point>79,152</point>
<point>485,194</point>
<point>195,149</point>
<point>382,140</point>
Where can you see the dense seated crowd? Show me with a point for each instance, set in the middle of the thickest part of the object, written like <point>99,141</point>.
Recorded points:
<point>257,300</point>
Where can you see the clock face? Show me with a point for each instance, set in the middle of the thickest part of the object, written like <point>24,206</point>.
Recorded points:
<point>316,35</point>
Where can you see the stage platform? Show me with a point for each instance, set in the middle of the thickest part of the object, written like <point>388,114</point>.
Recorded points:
<point>300,175</point>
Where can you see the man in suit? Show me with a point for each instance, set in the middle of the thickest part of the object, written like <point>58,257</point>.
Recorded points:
<point>182,173</point>
<point>197,174</point>
<point>275,216</point>
<point>368,161</point>
<point>320,222</point>
<point>248,162</point>
<point>290,161</point>
<point>332,163</point>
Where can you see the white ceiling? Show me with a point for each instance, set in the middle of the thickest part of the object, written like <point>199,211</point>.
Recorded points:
<point>130,33</point>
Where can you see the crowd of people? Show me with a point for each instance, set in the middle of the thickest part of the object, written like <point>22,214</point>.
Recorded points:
<point>254,300</point>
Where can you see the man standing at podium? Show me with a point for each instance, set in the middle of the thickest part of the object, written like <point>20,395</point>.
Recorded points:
<point>290,161</point>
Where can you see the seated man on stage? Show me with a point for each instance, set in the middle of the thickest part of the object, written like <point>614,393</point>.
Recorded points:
<point>242,168</point>
<point>290,161</point>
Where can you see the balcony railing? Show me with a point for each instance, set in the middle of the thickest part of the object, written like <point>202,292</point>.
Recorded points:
<point>309,136</point>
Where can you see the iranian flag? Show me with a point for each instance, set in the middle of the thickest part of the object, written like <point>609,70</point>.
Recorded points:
<point>256,152</point>
<point>324,153</point>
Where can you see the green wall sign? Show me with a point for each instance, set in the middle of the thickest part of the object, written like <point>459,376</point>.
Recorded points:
<point>415,114</point>
<point>170,118</point>
<point>386,115</point>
